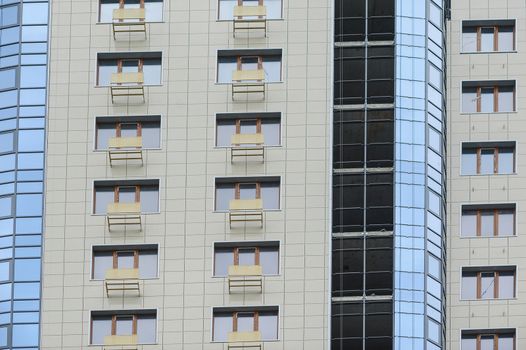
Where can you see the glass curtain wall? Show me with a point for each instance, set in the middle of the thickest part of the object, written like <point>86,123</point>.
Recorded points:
<point>23,78</point>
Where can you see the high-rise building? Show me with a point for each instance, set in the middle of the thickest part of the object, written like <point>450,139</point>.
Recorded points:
<point>486,260</point>
<point>23,76</point>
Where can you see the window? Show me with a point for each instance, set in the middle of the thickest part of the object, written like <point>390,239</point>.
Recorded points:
<point>488,36</point>
<point>142,257</point>
<point>488,283</point>
<point>226,7</point>
<point>269,124</point>
<point>265,188</point>
<point>488,339</point>
<point>145,192</point>
<point>488,158</point>
<point>354,17</point>
<point>488,221</point>
<point>265,254</point>
<point>153,9</point>
<point>245,319</point>
<point>141,323</point>
<point>148,63</point>
<point>488,97</point>
<point>268,60</point>
<point>147,127</point>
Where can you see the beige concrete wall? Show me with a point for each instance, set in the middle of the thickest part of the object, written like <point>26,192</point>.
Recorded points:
<point>186,165</point>
<point>485,189</point>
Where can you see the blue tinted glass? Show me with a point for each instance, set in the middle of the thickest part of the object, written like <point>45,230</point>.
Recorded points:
<point>32,96</point>
<point>5,292</point>
<point>8,113</point>
<point>6,241</point>
<point>33,59</point>
<point>5,305</point>
<point>30,161</point>
<point>37,111</point>
<point>32,76</point>
<point>7,189</point>
<point>30,187</point>
<point>9,35</point>
<point>28,240</point>
<point>6,253</point>
<point>30,175</point>
<point>7,176</point>
<point>7,162</point>
<point>27,291</point>
<point>34,13</point>
<point>25,335</point>
<point>9,16</point>
<point>12,49</point>
<point>26,305</point>
<point>27,269</point>
<point>30,252</point>
<point>30,140</point>
<point>31,123</point>
<point>29,205</point>
<point>34,33</point>
<point>7,124</point>
<point>7,79</point>
<point>6,227</point>
<point>6,206</point>
<point>3,336</point>
<point>9,61</point>
<point>8,98</point>
<point>34,48</point>
<point>28,225</point>
<point>25,317</point>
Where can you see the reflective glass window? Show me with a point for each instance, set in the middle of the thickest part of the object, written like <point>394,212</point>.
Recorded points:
<point>7,79</point>
<point>150,66</point>
<point>35,13</point>
<point>27,269</point>
<point>227,127</point>
<point>25,335</point>
<point>6,206</point>
<point>9,16</point>
<point>222,325</point>
<point>34,33</point>
<point>33,76</point>
<point>266,256</point>
<point>30,140</point>
<point>488,160</point>
<point>29,205</point>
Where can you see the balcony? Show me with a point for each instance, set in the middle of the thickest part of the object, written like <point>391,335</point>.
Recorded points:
<point>122,280</point>
<point>247,145</point>
<point>124,214</point>
<point>246,82</point>
<point>250,18</point>
<point>125,148</point>
<point>244,340</point>
<point>245,210</point>
<point>129,21</point>
<point>127,84</point>
<point>245,278</point>
<point>121,342</point>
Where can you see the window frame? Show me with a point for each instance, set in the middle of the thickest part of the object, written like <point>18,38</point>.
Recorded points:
<point>121,5</point>
<point>115,119</point>
<point>237,117</point>
<point>487,84</point>
<point>124,248</point>
<point>496,25</point>
<point>496,270</point>
<point>486,145</point>
<point>114,314</point>
<point>241,53</point>
<point>258,180</point>
<point>260,2</point>
<point>222,245</point>
<point>244,309</point>
<point>496,209</point>
<point>495,332</point>
<point>125,183</point>
<point>140,56</point>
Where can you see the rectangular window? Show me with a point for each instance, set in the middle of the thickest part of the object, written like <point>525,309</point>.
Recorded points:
<point>488,158</point>
<point>265,188</point>
<point>265,254</point>
<point>146,127</point>
<point>226,7</point>
<point>230,61</point>
<point>153,9</point>
<point>490,339</point>
<point>268,124</point>
<point>488,97</point>
<point>488,283</point>
<point>145,192</point>
<point>488,36</point>
<point>140,323</point>
<point>245,319</point>
<point>146,63</point>
<point>488,221</point>
<point>142,257</point>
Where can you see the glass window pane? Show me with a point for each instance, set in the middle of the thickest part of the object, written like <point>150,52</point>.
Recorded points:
<point>223,259</point>
<point>27,269</point>
<point>486,342</point>
<point>9,16</point>
<point>469,286</point>
<point>268,325</point>
<point>25,335</point>
<point>247,256</point>
<point>106,69</point>
<point>506,38</point>
<point>148,264</point>
<point>506,342</point>
<point>124,326</point>
<point>151,135</point>
<point>469,224</point>
<point>225,68</point>
<point>506,161</point>
<point>272,67</point>
<point>487,39</point>
<point>247,191</point>
<point>224,194</point>
<point>29,205</point>
<point>106,10</point>
<point>223,324</point>
<point>270,195</point>
<point>146,329</point>
<point>30,140</point>
<point>469,342</point>
<point>5,268</point>
<point>469,100</point>
<point>435,267</point>
<point>105,131</point>
<point>487,100</point>
<point>7,79</point>
<point>434,332</point>
<point>6,141</point>
<point>152,71</point>
<point>102,262</point>
<point>269,260</point>
<point>225,130</point>
<point>103,197</point>
<point>487,223</point>
<point>3,336</point>
<point>506,223</point>
<point>506,99</point>
<point>507,285</point>
<point>487,158</point>
<point>271,130</point>
<point>100,328</point>
<point>149,199</point>
<point>27,290</point>
<point>487,285</point>
<point>36,13</point>
<point>245,322</point>
<point>33,76</point>
<point>469,162</point>
<point>125,260</point>
<point>6,206</point>
<point>154,10</point>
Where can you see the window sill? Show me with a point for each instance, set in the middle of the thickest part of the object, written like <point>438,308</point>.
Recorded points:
<point>132,86</point>
<point>141,344</point>
<point>266,82</point>
<point>479,113</point>
<point>227,211</point>
<point>228,147</point>
<point>486,237</point>
<point>480,175</point>
<point>143,149</point>
<point>261,341</point>
<point>149,213</point>
<point>268,19</point>
<point>140,279</point>
<point>265,276</point>
<point>490,300</point>
<point>106,23</point>
<point>485,52</point>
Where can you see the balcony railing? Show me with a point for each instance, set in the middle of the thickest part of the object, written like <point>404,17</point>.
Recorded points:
<point>124,214</point>
<point>124,342</point>
<point>250,18</point>
<point>129,21</point>
<point>127,84</point>
<point>125,148</point>
<point>244,340</point>
<point>122,280</point>
<point>245,278</point>
<point>247,145</point>
<point>248,82</point>
<point>245,210</point>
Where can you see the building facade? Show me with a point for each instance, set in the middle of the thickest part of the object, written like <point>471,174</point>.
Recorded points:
<point>486,283</point>
<point>23,88</point>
